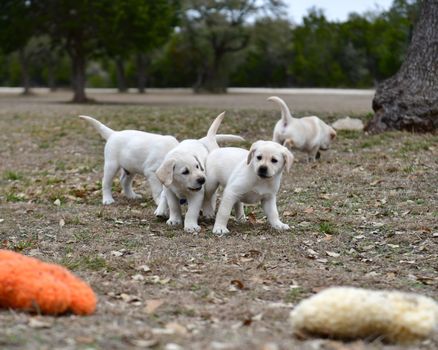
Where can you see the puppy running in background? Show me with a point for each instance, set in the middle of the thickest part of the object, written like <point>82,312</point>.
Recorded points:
<point>307,134</point>
<point>247,177</point>
<point>183,175</point>
<point>135,152</point>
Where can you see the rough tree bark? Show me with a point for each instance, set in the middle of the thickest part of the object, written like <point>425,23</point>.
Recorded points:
<point>409,99</point>
<point>79,79</point>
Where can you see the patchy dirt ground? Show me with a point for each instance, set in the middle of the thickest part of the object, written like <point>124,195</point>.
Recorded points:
<point>364,215</point>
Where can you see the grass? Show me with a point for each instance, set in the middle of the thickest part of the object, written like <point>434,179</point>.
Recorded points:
<point>12,175</point>
<point>370,199</point>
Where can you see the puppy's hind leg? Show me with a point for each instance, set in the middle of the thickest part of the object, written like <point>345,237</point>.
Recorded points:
<point>156,187</point>
<point>239,212</point>
<point>313,154</point>
<point>209,204</point>
<point>126,179</point>
<point>109,171</point>
<point>162,210</point>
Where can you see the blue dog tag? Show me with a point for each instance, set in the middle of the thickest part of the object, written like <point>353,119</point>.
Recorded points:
<point>182,201</point>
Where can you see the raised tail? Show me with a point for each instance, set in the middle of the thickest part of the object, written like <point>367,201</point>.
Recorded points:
<point>286,117</point>
<point>103,130</point>
<point>210,140</point>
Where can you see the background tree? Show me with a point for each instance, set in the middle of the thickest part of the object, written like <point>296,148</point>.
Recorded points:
<point>137,26</point>
<point>74,26</point>
<point>409,99</point>
<point>266,59</point>
<point>216,28</point>
<point>17,26</point>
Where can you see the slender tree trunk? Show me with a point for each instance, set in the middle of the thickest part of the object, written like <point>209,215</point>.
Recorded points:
<point>141,72</point>
<point>25,79</point>
<point>409,99</point>
<point>79,78</point>
<point>121,77</point>
<point>51,82</point>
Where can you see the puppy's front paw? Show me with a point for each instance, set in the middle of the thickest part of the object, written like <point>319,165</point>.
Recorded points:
<point>220,230</point>
<point>161,213</point>
<point>133,195</point>
<point>208,213</point>
<point>192,228</point>
<point>174,221</point>
<point>280,226</point>
<point>241,218</point>
<point>107,201</point>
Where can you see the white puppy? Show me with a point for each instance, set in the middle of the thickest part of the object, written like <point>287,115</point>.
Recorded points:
<point>183,175</point>
<point>307,134</point>
<point>248,177</point>
<point>135,152</point>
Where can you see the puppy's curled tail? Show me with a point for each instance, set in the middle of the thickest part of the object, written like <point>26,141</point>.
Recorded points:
<point>229,138</point>
<point>103,130</point>
<point>286,117</point>
<point>210,140</point>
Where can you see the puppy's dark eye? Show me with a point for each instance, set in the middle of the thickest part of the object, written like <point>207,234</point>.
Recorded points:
<point>197,167</point>
<point>186,172</point>
<point>273,160</point>
<point>259,157</point>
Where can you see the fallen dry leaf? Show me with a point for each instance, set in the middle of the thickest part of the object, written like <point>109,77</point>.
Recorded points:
<point>138,277</point>
<point>36,322</point>
<point>127,298</point>
<point>333,254</point>
<point>144,268</point>
<point>116,253</point>
<point>236,285</point>
<point>177,328</point>
<point>61,223</point>
<point>309,210</point>
<point>152,305</point>
<point>252,218</point>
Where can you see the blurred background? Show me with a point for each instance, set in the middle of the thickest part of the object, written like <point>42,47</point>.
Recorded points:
<point>207,45</point>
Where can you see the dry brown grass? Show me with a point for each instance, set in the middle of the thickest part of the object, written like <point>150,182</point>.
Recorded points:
<point>364,215</point>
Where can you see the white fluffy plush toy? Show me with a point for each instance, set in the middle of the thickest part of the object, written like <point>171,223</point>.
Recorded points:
<point>352,313</point>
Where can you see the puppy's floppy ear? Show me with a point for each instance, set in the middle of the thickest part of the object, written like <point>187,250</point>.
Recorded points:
<point>288,158</point>
<point>250,155</point>
<point>332,134</point>
<point>199,163</point>
<point>165,172</point>
<point>252,151</point>
<point>288,143</point>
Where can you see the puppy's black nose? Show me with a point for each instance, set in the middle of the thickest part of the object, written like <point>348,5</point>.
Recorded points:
<point>200,180</point>
<point>263,169</point>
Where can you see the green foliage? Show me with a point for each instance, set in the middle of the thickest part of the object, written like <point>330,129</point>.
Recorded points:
<point>218,43</point>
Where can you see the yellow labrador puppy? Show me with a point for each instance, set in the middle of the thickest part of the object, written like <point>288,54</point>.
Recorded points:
<point>183,175</point>
<point>135,152</point>
<point>247,177</point>
<point>307,134</point>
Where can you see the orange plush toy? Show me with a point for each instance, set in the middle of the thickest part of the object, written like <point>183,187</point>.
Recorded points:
<point>31,285</point>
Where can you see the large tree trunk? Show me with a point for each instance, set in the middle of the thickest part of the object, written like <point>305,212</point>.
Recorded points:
<point>25,78</point>
<point>214,78</point>
<point>409,99</point>
<point>121,77</point>
<point>141,72</point>
<point>51,81</point>
<point>79,78</point>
